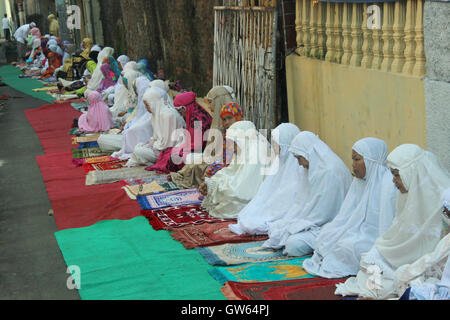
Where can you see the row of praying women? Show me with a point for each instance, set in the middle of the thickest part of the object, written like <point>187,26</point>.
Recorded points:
<point>382,227</point>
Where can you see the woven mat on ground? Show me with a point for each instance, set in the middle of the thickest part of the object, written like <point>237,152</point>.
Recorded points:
<point>176,198</point>
<point>111,176</point>
<point>79,106</point>
<point>303,289</point>
<point>262,272</point>
<point>88,153</point>
<point>85,145</point>
<point>210,234</point>
<point>177,217</point>
<point>239,253</point>
<point>51,123</point>
<point>80,162</point>
<point>87,138</point>
<point>148,180</point>
<point>76,205</point>
<point>10,76</point>
<point>150,188</point>
<point>127,260</point>
<point>104,166</point>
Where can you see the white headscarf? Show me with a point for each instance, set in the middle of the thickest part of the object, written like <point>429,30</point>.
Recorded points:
<point>233,187</point>
<point>96,48</point>
<point>353,231</point>
<point>323,192</point>
<point>165,120</point>
<point>97,75</point>
<point>141,84</point>
<point>417,227</point>
<point>139,129</point>
<point>164,86</point>
<point>125,98</point>
<point>278,191</point>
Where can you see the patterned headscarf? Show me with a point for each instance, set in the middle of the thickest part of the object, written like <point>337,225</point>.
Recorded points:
<point>113,65</point>
<point>232,109</point>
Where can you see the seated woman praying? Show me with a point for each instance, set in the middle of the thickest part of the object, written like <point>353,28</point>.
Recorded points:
<point>278,191</point>
<point>338,248</point>
<point>137,128</point>
<point>125,97</point>
<point>416,229</point>
<point>198,122</point>
<point>98,118</point>
<point>165,122</point>
<point>97,75</point>
<point>323,191</point>
<point>428,278</point>
<point>233,187</point>
<point>193,174</point>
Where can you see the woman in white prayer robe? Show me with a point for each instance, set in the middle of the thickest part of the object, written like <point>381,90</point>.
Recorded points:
<point>165,122</point>
<point>278,191</point>
<point>233,187</point>
<point>429,277</point>
<point>416,229</point>
<point>112,141</point>
<point>323,192</point>
<point>123,97</point>
<point>338,248</point>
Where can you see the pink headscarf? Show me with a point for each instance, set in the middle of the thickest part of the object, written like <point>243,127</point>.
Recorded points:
<point>35,32</point>
<point>98,117</point>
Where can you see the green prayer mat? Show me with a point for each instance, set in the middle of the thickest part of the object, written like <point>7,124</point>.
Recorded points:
<point>128,260</point>
<point>10,76</point>
<point>88,153</point>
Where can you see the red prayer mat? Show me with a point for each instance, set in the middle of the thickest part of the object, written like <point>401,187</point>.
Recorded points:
<point>51,123</point>
<point>299,289</point>
<point>210,234</point>
<point>76,205</point>
<point>178,217</point>
<point>104,166</point>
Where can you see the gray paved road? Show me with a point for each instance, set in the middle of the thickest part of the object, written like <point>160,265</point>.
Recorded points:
<point>31,264</point>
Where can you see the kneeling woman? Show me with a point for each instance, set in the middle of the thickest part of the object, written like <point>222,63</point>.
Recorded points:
<point>416,229</point>
<point>198,121</point>
<point>165,121</point>
<point>233,187</point>
<point>193,175</point>
<point>339,246</point>
<point>98,117</point>
<point>322,194</point>
<point>278,191</point>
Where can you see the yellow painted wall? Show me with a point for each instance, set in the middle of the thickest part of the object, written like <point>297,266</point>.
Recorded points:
<point>343,104</point>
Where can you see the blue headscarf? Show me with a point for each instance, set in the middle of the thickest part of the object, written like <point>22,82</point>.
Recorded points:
<point>144,67</point>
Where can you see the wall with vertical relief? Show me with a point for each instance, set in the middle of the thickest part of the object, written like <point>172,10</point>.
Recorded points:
<point>348,81</point>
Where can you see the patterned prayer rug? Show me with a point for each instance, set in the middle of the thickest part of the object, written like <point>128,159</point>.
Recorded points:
<point>303,289</point>
<point>210,234</point>
<point>103,166</point>
<point>111,176</point>
<point>151,188</point>
<point>262,272</point>
<point>134,182</point>
<point>234,254</point>
<point>177,217</point>
<point>88,153</point>
<point>170,199</point>
<point>85,145</point>
<point>89,138</point>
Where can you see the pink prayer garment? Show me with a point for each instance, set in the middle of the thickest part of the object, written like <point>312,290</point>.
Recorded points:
<point>98,117</point>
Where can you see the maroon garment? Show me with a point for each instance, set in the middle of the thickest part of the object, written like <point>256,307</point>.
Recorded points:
<point>194,113</point>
